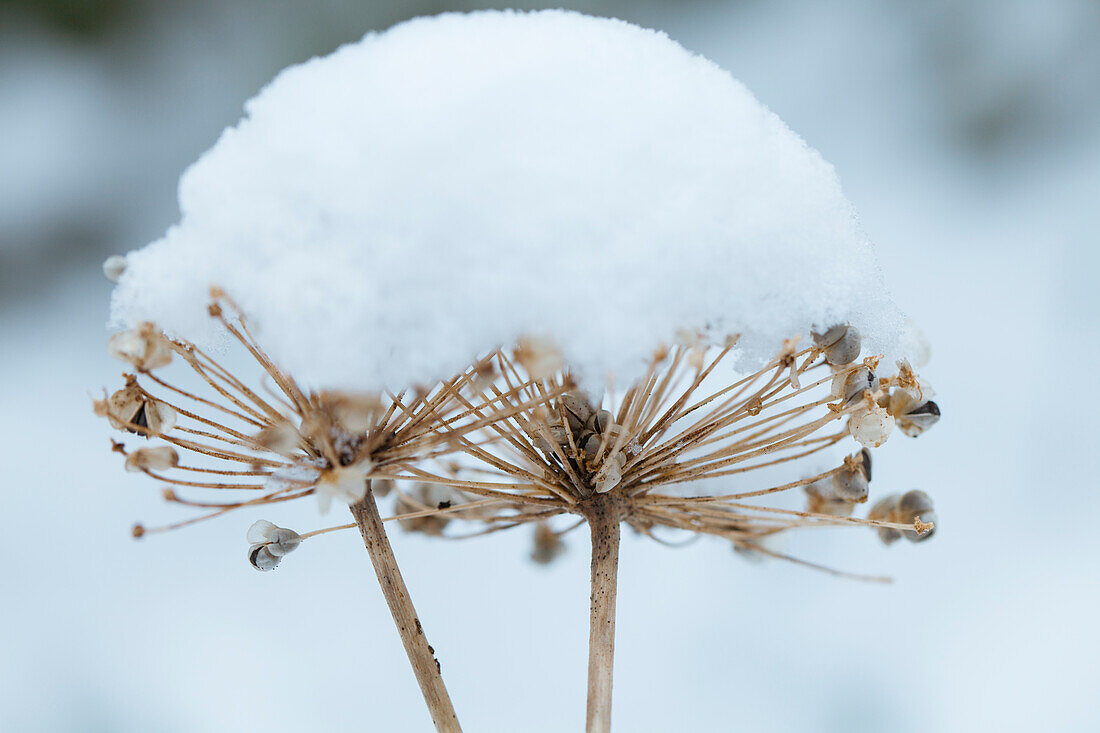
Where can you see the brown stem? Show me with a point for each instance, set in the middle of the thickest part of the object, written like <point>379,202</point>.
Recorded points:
<point>603,520</point>
<point>421,654</point>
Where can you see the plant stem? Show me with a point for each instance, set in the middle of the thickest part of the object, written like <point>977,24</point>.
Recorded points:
<point>421,654</point>
<point>603,520</point>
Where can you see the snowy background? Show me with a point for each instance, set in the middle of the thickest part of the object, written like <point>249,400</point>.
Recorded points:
<point>967,134</point>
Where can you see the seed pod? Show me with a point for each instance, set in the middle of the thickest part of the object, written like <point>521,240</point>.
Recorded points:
<point>577,408</point>
<point>851,385</point>
<point>160,458</point>
<point>840,344</point>
<point>914,505</point>
<point>882,511</point>
<point>850,483</point>
<point>599,421</point>
<point>279,541</point>
<point>609,476</point>
<point>915,422</point>
<point>870,424</point>
<point>143,346</point>
<point>548,544</point>
<point>113,267</point>
<point>822,499</point>
<point>130,409</point>
<point>262,558</point>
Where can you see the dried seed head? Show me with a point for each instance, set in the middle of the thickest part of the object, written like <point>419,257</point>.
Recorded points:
<point>870,424</point>
<point>346,484</point>
<point>548,544</point>
<point>153,459</point>
<point>113,267</point>
<point>132,410</point>
<point>143,346</point>
<point>840,344</point>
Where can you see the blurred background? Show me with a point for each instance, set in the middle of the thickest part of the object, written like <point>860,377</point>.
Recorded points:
<point>967,133</point>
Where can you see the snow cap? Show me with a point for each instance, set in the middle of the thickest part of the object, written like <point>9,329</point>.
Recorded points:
<point>386,214</point>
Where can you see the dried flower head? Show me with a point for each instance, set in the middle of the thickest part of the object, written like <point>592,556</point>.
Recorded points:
<point>685,422</point>
<point>272,443</point>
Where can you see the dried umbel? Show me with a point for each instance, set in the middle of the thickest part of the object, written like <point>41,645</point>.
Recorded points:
<point>274,445</point>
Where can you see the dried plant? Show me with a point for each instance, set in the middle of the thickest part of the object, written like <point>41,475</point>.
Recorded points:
<point>277,443</point>
<point>548,450</point>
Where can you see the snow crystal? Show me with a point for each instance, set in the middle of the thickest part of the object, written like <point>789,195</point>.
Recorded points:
<point>387,213</point>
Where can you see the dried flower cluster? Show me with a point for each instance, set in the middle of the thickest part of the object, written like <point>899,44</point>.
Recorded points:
<point>513,441</point>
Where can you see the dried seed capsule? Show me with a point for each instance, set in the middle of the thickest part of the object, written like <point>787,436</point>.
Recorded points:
<point>381,486</point>
<point>609,476</point>
<point>840,344</point>
<point>132,410</point>
<point>279,541</point>
<point>870,424</point>
<point>143,346</point>
<point>160,458</point>
<point>851,385</point>
<point>882,511</point>
<point>822,499</point>
<point>548,544</point>
<point>577,408</point>
<point>600,421</point>
<point>113,267</point>
<point>916,421</point>
<point>916,505</point>
<point>850,483</point>
<point>262,558</point>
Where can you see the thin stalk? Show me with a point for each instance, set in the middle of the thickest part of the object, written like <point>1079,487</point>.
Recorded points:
<point>421,654</point>
<point>603,521</point>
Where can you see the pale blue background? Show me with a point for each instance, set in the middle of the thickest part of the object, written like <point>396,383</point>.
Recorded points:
<point>968,136</point>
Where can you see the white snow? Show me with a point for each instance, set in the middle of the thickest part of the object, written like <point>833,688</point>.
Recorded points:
<point>389,212</point>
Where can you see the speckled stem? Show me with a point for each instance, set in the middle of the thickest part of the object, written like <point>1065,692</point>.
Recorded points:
<point>421,654</point>
<point>603,519</point>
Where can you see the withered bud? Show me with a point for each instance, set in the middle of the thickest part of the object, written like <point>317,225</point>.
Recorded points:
<point>160,458</point>
<point>143,346</point>
<point>840,344</point>
<point>547,546</point>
